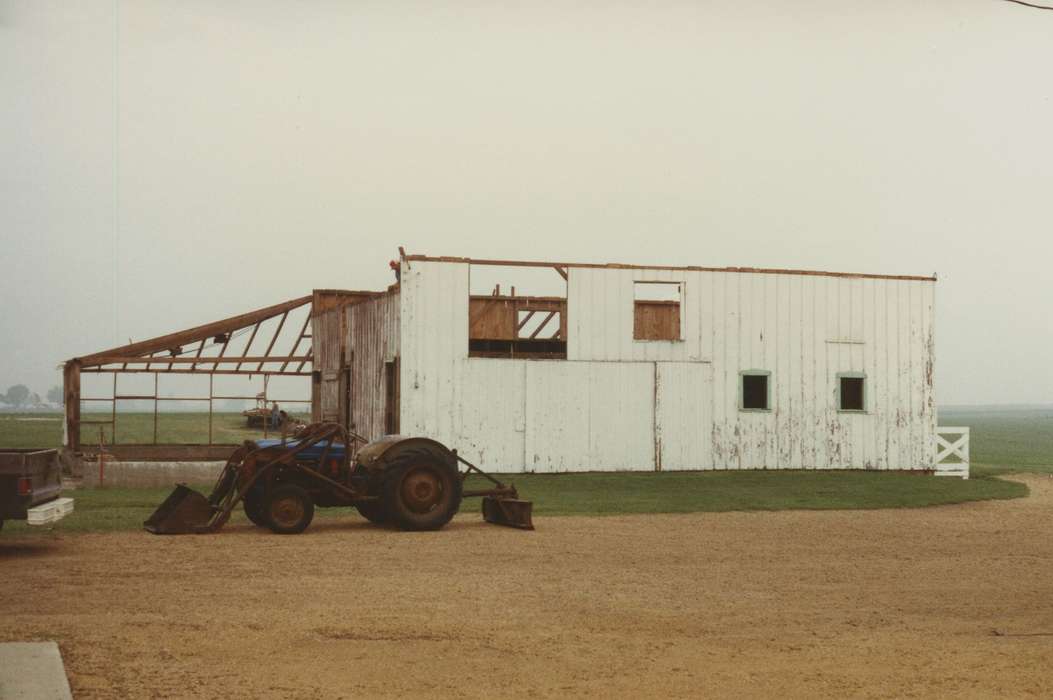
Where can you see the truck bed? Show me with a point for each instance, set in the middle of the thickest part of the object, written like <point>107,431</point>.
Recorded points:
<point>28,478</point>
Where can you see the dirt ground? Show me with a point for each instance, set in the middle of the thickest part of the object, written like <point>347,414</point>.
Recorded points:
<point>913,603</point>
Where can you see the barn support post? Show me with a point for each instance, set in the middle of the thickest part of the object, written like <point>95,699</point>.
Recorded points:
<point>71,398</point>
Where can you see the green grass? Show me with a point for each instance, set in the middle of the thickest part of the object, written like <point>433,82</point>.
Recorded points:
<point>1003,440</point>
<point>101,510</point>
<point>691,492</point>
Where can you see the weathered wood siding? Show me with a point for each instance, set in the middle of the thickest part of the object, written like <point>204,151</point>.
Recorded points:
<point>620,403</point>
<point>373,340</point>
<point>328,330</point>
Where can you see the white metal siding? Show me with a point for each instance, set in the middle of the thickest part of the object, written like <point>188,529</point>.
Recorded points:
<point>618,403</point>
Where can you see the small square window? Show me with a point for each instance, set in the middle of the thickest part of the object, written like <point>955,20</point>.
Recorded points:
<point>755,391</point>
<point>851,390</point>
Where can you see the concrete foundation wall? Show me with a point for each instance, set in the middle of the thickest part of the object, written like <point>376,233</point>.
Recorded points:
<point>152,474</point>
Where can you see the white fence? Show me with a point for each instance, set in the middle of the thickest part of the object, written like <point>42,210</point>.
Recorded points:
<point>952,452</point>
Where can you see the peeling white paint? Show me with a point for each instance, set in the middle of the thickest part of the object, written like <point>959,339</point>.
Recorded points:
<point>617,403</point>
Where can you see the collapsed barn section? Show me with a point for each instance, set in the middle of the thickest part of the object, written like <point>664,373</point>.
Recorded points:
<point>550,367</point>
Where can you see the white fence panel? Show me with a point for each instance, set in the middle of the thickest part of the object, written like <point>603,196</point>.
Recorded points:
<point>952,443</point>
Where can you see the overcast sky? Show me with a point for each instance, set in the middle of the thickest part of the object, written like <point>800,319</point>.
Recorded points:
<point>247,152</point>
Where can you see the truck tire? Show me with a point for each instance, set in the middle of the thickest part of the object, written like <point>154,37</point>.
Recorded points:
<point>289,510</point>
<point>421,491</point>
<point>254,509</point>
<point>373,511</point>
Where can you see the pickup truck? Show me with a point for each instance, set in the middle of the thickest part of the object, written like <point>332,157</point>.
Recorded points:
<point>31,487</point>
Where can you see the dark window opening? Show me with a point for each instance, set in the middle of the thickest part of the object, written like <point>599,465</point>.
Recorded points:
<point>656,310</point>
<point>852,393</point>
<point>539,349</point>
<point>755,392</point>
<point>391,397</point>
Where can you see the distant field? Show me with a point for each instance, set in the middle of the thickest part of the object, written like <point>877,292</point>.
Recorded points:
<point>1006,439</point>
<point>1003,439</point>
<point>45,430</point>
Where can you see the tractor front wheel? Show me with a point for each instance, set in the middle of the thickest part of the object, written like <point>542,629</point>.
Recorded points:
<point>289,510</point>
<point>421,491</point>
<point>254,509</point>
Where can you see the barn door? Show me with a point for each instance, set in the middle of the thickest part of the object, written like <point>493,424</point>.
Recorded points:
<point>683,415</point>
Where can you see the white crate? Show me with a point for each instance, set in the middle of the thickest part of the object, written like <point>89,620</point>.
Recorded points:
<point>50,512</point>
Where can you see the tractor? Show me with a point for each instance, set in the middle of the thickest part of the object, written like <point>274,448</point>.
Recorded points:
<point>410,483</point>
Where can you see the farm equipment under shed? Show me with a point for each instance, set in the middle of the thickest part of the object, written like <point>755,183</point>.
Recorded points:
<point>411,483</point>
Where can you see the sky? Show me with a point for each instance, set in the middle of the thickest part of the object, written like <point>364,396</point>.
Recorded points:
<point>165,164</point>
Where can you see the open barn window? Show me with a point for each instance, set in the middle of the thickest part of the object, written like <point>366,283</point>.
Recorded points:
<point>517,311</point>
<point>755,390</point>
<point>851,391</point>
<point>656,310</point>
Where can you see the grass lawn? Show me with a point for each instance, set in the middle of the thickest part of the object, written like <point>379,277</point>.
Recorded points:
<point>1003,440</point>
<point>622,493</point>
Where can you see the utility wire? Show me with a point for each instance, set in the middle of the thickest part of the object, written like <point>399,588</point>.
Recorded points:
<point>1029,4</point>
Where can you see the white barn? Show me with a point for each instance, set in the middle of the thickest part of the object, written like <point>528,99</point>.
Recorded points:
<point>639,368</point>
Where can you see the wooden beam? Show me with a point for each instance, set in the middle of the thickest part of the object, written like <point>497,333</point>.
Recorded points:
<point>274,338</point>
<point>299,338</point>
<point>71,398</point>
<point>103,360</point>
<point>526,319</point>
<point>693,268</point>
<point>223,350</point>
<point>543,324</point>
<point>242,372</point>
<point>197,354</point>
<point>190,335</point>
<point>252,337</point>
<point>562,271</point>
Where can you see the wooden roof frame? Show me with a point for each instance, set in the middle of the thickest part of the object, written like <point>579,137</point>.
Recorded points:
<point>562,268</point>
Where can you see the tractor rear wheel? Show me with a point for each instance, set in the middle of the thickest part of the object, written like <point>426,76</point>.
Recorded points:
<point>421,491</point>
<point>289,510</point>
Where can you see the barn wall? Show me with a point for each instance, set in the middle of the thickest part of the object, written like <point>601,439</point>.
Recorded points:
<point>328,331</point>
<point>618,403</point>
<point>373,340</point>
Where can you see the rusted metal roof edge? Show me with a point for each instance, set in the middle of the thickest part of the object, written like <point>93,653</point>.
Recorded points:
<point>689,268</point>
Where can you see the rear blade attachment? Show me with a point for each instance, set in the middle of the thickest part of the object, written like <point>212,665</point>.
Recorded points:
<point>184,512</point>
<point>510,512</point>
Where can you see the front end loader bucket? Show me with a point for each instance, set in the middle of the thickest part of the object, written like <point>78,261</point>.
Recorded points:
<point>510,512</point>
<point>184,512</point>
